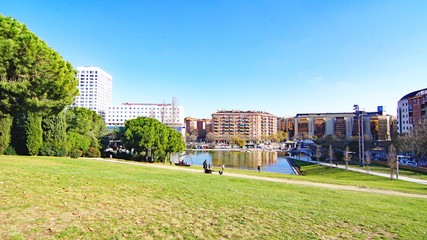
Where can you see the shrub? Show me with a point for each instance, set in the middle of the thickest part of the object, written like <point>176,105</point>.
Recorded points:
<point>62,148</point>
<point>10,151</point>
<point>76,153</point>
<point>34,133</point>
<point>47,149</point>
<point>93,152</point>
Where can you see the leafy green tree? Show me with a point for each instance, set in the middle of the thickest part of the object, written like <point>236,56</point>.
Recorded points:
<point>78,141</point>
<point>140,134</point>
<point>54,128</point>
<point>87,124</point>
<point>5,132</point>
<point>34,133</point>
<point>175,143</point>
<point>160,142</point>
<point>146,134</point>
<point>33,77</point>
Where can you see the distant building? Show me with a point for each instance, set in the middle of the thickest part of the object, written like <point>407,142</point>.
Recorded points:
<point>250,124</point>
<point>203,126</point>
<point>411,110</point>
<point>167,114</point>
<point>376,126</point>
<point>95,88</point>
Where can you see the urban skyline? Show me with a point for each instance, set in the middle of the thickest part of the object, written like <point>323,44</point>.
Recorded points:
<point>280,57</point>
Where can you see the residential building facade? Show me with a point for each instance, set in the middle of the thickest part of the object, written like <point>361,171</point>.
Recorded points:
<point>95,88</point>
<point>203,126</point>
<point>344,126</point>
<point>250,124</point>
<point>411,110</point>
<point>167,114</point>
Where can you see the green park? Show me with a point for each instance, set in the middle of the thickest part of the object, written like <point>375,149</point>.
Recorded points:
<point>58,181</point>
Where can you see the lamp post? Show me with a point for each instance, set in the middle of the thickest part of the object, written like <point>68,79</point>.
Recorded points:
<point>359,116</point>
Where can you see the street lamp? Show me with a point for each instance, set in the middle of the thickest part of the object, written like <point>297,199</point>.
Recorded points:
<point>359,115</point>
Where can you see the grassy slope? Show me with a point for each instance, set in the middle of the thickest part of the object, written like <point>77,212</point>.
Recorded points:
<point>325,174</point>
<point>58,197</point>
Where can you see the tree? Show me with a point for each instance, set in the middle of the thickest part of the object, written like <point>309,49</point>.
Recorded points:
<point>416,141</point>
<point>236,140</point>
<point>368,161</point>
<point>331,155</point>
<point>147,134</point>
<point>140,134</point>
<point>34,133</point>
<point>210,137</point>
<point>175,143</point>
<point>392,159</point>
<point>54,128</point>
<point>347,157</point>
<point>5,132</point>
<point>87,124</point>
<point>33,77</point>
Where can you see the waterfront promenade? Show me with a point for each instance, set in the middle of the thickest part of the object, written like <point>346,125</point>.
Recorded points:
<point>408,179</point>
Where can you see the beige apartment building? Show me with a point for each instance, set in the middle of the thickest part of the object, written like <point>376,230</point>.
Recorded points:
<point>250,124</point>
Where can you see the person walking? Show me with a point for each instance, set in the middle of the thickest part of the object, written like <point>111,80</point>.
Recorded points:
<point>205,165</point>
<point>222,169</point>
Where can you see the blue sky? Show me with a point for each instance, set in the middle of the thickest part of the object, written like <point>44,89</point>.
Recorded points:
<point>282,57</point>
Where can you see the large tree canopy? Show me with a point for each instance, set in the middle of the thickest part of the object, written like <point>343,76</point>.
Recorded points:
<point>33,77</point>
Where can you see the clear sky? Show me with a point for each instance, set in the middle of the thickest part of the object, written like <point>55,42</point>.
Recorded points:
<point>282,57</point>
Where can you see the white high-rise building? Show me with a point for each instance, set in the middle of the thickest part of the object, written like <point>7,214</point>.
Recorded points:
<point>95,87</point>
<point>168,114</point>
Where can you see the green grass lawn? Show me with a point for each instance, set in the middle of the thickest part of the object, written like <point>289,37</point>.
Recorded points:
<point>384,169</point>
<point>325,174</point>
<point>48,197</point>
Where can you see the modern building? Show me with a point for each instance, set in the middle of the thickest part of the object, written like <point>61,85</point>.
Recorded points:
<point>203,126</point>
<point>375,125</point>
<point>411,110</point>
<point>250,124</point>
<point>95,88</point>
<point>168,114</point>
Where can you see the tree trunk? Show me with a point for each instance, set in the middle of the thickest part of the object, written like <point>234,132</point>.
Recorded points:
<point>346,166</point>
<point>391,173</point>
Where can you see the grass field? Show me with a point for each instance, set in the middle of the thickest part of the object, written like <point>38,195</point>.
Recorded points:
<point>47,198</point>
<point>325,174</point>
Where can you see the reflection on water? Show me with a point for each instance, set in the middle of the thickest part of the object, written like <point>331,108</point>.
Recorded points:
<point>269,161</point>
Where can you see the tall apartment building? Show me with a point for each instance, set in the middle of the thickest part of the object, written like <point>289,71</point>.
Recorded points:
<point>251,124</point>
<point>411,110</point>
<point>168,114</point>
<point>199,124</point>
<point>95,88</point>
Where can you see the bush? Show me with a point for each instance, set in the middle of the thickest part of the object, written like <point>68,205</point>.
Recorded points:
<point>76,153</point>
<point>93,152</point>
<point>47,149</point>
<point>62,150</point>
<point>10,151</point>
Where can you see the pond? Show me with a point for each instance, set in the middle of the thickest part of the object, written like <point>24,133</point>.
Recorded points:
<point>268,160</point>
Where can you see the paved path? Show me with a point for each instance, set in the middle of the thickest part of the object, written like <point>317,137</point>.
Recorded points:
<point>415,180</point>
<point>278,180</point>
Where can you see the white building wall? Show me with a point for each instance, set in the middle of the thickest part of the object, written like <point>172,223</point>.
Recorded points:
<point>95,88</point>
<point>117,115</point>
<point>403,125</point>
<point>329,126</point>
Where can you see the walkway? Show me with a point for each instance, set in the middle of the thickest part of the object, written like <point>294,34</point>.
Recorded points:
<point>278,180</point>
<point>408,179</point>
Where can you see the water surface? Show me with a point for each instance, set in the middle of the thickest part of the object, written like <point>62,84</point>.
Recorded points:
<point>267,160</point>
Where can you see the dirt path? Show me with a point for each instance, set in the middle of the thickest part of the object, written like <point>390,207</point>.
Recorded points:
<point>288,181</point>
